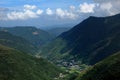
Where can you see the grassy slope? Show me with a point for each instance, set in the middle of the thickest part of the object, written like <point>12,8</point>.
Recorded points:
<point>108,69</point>
<point>15,65</point>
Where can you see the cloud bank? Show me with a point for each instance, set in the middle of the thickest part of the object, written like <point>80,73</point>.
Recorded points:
<point>29,11</point>
<point>99,8</point>
<point>108,7</point>
<point>87,8</point>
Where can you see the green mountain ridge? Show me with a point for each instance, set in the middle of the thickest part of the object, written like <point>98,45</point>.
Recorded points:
<point>107,69</point>
<point>7,39</point>
<point>15,65</point>
<point>90,41</point>
<point>34,35</point>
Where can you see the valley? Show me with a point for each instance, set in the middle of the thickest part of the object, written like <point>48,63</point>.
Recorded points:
<point>86,42</point>
<point>88,51</point>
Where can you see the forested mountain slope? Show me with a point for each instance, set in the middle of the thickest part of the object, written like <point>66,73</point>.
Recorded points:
<point>90,41</point>
<point>108,69</point>
<point>15,65</point>
<point>34,35</point>
<point>21,44</point>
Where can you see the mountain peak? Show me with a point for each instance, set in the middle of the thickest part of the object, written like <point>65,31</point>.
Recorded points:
<point>91,40</point>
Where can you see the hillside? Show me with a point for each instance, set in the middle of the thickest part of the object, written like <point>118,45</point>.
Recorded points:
<point>15,65</point>
<point>57,31</point>
<point>108,69</point>
<point>34,35</point>
<point>16,42</point>
<point>90,41</point>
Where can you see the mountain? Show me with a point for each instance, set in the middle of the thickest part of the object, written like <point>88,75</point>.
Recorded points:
<point>15,65</point>
<point>90,41</point>
<point>34,35</point>
<point>108,69</point>
<point>21,44</point>
<point>57,31</point>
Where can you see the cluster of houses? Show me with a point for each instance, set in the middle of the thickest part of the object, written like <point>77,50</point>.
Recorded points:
<point>70,64</point>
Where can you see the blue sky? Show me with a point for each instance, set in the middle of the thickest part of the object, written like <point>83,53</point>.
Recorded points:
<point>47,13</point>
<point>52,3</point>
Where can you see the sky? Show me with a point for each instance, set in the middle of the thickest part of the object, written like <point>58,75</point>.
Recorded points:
<point>53,13</point>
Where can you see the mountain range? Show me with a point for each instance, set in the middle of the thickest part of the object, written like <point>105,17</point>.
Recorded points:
<point>90,41</point>
<point>95,43</point>
<point>16,61</point>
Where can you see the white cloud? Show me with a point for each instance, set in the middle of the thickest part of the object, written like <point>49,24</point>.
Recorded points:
<point>30,7</point>
<point>15,15</point>
<point>39,11</point>
<point>28,12</point>
<point>60,12</point>
<point>49,11</point>
<point>21,15</point>
<point>106,6</point>
<point>71,15</point>
<point>109,7</point>
<point>87,8</point>
<point>65,14</point>
<point>103,8</point>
